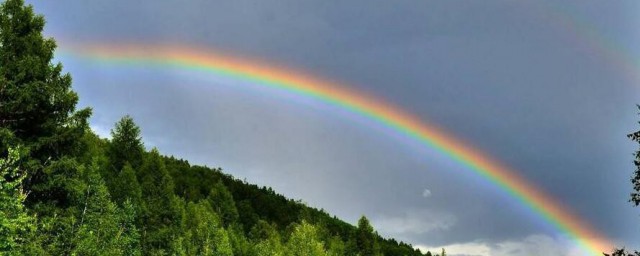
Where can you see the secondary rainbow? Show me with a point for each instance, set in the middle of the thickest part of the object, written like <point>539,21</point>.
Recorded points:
<point>292,81</point>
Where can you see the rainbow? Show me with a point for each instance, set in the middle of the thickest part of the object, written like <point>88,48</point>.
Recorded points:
<point>292,81</point>
<point>585,34</point>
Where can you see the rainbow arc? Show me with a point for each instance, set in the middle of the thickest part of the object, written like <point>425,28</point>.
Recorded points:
<point>279,78</point>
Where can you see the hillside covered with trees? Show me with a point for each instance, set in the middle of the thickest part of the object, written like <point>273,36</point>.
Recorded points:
<point>66,191</point>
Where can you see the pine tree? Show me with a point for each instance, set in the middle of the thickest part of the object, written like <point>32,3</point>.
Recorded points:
<point>366,238</point>
<point>37,110</point>
<point>126,144</point>
<point>127,187</point>
<point>159,214</point>
<point>37,105</point>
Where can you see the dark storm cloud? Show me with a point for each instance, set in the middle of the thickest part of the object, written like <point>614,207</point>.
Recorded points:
<point>505,76</point>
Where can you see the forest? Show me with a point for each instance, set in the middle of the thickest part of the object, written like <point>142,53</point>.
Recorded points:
<point>66,191</point>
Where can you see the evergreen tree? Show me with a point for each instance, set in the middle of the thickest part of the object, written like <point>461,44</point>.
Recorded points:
<point>127,187</point>
<point>366,238</point>
<point>37,105</point>
<point>126,144</point>
<point>37,110</point>
<point>159,215</point>
<point>222,202</point>
<point>64,191</point>
<point>90,223</point>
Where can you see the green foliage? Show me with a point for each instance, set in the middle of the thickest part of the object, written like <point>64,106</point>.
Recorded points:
<point>126,187</point>
<point>90,223</point>
<point>267,240</point>
<point>335,246</point>
<point>203,233</point>
<point>366,239</point>
<point>159,214</point>
<point>16,225</point>
<point>103,228</point>
<point>222,202</point>
<point>37,111</point>
<point>36,101</point>
<point>239,243</point>
<point>304,241</point>
<point>126,144</point>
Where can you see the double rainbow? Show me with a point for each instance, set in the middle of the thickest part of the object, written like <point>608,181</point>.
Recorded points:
<point>285,79</point>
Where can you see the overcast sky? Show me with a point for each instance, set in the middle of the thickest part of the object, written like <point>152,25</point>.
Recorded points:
<point>541,86</point>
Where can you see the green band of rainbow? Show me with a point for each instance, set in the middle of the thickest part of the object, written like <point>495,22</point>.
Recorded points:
<point>291,81</point>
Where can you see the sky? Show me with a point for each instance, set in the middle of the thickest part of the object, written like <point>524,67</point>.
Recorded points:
<point>547,88</point>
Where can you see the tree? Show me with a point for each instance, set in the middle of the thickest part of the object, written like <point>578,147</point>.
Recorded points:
<point>37,104</point>
<point>126,144</point>
<point>101,228</point>
<point>202,232</point>
<point>222,202</point>
<point>266,240</point>
<point>239,243</point>
<point>622,252</point>
<point>304,241</point>
<point>335,246</point>
<point>37,111</point>
<point>366,238</point>
<point>125,153</point>
<point>127,187</point>
<point>635,181</point>
<point>159,214</point>
<point>15,223</point>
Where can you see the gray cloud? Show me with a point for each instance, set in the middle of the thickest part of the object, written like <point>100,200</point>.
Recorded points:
<point>413,222</point>
<point>531,245</point>
<point>426,193</point>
